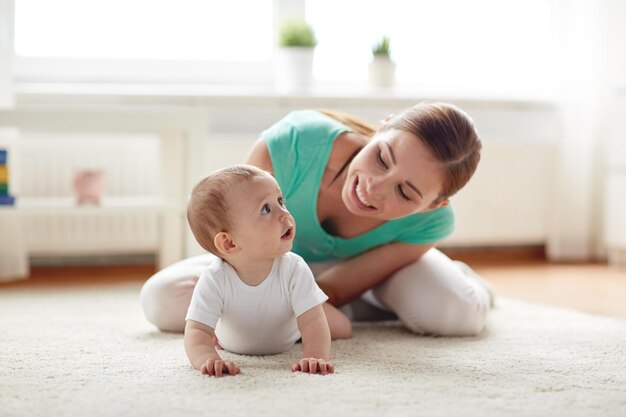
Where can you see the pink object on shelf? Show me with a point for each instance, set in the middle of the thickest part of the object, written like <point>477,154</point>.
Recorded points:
<point>88,186</point>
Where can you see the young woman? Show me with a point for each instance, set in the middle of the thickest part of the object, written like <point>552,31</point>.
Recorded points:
<point>369,205</point>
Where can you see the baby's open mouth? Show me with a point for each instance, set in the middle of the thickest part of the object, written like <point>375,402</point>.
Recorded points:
<point>288,234</point>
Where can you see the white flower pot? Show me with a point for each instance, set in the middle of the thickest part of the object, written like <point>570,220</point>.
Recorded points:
<point>382,72</point>
<point>293,68</point>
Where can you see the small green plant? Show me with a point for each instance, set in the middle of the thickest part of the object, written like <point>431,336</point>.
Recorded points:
<point>297,33</point>
<point>381,48</point>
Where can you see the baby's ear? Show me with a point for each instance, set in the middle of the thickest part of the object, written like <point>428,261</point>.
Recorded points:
<point>224,244</point>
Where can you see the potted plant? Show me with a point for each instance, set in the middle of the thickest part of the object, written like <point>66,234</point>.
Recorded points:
<point>294,57</point>
<point>382,70</point>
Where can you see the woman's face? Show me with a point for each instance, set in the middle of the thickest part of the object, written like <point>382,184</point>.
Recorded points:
<point>393,176</point>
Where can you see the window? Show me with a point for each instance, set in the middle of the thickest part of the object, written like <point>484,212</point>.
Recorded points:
<point>213,30</point>
<point>454,43</point>
<point>94,35</point>
<point>457,45</point>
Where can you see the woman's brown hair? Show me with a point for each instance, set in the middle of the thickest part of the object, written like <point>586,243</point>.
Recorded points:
<point>446,130</point>
<point>354,123</point>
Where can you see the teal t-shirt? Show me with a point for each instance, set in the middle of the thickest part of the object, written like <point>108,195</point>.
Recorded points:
<point>299,147</point>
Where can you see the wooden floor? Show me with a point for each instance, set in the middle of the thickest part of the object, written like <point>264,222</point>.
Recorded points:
<point>592,288</point>
<point>525,274</point>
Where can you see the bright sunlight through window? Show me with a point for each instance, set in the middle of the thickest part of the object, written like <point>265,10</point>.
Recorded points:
<point>233,30</point>
<point>444,42</point>
<point>479,45</point>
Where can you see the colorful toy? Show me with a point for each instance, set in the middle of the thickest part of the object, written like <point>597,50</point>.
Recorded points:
<point>6,199</point>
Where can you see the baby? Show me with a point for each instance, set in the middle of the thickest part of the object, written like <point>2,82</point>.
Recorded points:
<point>257,298</point>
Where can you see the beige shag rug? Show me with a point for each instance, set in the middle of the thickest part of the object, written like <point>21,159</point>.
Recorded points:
<point>87,351</point>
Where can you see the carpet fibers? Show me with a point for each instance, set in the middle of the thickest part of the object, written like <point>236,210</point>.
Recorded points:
<point>87,351</point>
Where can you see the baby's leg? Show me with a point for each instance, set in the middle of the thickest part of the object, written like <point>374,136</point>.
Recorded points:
<point>166,295</point>
<point>339,323</point>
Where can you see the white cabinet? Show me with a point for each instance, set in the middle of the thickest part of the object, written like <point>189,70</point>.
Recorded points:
<point>181,132</point>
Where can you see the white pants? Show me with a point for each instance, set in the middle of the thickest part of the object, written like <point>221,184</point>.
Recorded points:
<point>434,295</point>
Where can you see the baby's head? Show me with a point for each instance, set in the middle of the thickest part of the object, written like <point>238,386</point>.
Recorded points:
<point>239,210</point>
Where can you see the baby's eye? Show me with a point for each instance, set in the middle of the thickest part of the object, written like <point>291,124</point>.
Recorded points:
<point>266,209</point>
<point>281,202</point>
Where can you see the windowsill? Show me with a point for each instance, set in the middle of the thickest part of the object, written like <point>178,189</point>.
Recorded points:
<point>208,94</point>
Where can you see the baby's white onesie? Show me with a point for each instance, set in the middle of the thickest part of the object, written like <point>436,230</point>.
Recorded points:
<point>259,320</point>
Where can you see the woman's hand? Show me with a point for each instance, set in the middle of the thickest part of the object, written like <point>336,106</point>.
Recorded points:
<point>349,279</point>
<point>217,367</point>
<point>313,366</point>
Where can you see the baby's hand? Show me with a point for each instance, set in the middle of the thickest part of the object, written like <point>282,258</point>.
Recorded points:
<point>216,367</point>
<point>313,366</point>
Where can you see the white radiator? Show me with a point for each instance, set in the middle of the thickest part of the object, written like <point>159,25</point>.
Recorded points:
<point>45,170</point>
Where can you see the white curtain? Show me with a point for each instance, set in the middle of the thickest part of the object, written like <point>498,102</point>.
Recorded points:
<point>580,65</point>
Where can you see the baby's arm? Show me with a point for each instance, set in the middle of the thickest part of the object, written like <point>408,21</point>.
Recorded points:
<point>315,341</point>
<point>200,348</point>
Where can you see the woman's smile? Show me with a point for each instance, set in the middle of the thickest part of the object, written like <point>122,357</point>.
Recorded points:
<point>359,197</point>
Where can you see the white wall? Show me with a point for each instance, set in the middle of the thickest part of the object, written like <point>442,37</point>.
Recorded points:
<point>613,171</point>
